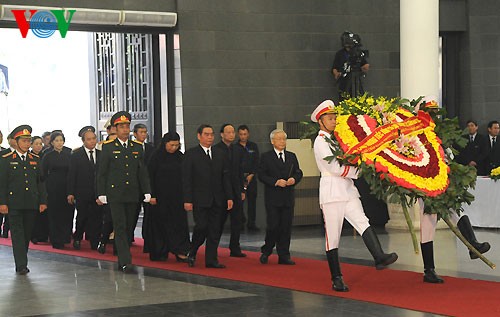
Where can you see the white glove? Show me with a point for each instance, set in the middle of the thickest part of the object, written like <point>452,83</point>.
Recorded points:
<point>103,199</point>
<point>147,198</point>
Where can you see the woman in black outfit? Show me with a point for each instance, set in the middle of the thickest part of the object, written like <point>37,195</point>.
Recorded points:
<point>168,224</point>
<point>55,165</point>
<point>40,231</point>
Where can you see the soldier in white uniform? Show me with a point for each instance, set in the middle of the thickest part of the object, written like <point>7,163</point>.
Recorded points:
<point>339,199</point>
<point>428,223</point>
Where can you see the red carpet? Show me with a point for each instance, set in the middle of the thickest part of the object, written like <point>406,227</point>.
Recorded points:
<point>457,297</point>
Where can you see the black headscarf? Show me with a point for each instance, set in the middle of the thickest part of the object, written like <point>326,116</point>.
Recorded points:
<point>167,137</point>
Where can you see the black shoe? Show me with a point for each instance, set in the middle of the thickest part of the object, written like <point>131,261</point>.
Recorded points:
<point>430,276</point>
<point>286,261</point>
<point>386,260</point>
<point>5,234</point>
<point>215,266</point>
<point>77,245</point>
<point>482,248</point>
<point>23,271</point>
<point>58,246</point>
<point>338,284</point>
<point>34,241</point>
<point>127,268</point>
<point>101,248</point>
<point>237,254</point>
<point>382,260</point>
<point>264,258</point>
<point>191,259</point>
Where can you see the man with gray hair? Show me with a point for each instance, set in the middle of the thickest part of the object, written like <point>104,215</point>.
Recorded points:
<point>279,171</point>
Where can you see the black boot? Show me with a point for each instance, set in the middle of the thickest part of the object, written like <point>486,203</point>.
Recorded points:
<point>334,264</point>
<point>466,230</point>
<point>382,260</point>
<point>430,275</point>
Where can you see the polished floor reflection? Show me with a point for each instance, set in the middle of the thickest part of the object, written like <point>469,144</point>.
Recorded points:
<point>61,285</point>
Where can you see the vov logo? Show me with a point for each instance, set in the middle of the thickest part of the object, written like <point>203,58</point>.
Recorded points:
<point>43,23</point>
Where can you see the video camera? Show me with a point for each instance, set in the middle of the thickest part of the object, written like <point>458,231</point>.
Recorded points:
<point>356,53</point>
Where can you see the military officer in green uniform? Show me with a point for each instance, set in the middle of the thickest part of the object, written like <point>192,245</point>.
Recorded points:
<point>122,178</point>
<point>22,194</point>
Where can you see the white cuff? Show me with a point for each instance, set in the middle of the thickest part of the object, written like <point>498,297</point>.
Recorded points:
<point>147,198</point>
<point>103,199</point>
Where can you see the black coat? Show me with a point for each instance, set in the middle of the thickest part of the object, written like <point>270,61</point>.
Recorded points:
<point>492,159</point>
<point>271,168</point>
<point>474,151</point>
<point>235,157</point>
<point>149,149</point>
<point>82,175</point>
<point>206,180</point>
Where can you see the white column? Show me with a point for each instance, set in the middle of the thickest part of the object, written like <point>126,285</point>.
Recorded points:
<point>419,37</point>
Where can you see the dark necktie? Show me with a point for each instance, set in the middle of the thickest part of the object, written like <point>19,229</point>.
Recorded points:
<point>23,158</point>
<point>493,141</point>
<point>92,157</point>
<point>471,139</point>
<point>281,157</point>
<point>208,154</point>
<point>125,145</point>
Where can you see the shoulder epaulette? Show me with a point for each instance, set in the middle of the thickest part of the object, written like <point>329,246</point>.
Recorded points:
<point>37,156</point>
<point>108,141</point>
<point>8,154</point>
<point>137,142</point>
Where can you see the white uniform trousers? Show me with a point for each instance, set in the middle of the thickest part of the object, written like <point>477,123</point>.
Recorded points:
<point>334,214</point>
<point>428,223</point>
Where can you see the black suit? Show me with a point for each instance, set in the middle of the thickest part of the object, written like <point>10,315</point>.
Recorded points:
<point>492,159</point>
<point>207,185</point>
<point>476,151</point>
<point>279,201</point>
<point>234,156</point>
<point>82,185</point>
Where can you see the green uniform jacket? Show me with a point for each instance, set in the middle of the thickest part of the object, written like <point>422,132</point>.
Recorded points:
<point>20,182</point>
<point>122,175</point>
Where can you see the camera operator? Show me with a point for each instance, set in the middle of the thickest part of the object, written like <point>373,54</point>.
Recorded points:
<point>350,65</point>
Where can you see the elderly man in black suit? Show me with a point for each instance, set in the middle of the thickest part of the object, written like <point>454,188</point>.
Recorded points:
<point>279,171</point>
<point>474,153</point>
<point>207,192</point>
<point>82,189</point>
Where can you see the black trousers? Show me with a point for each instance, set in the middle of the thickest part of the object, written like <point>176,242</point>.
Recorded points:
<point>207,227</point>
<point>107,223</point>
<point>41,228</point>
<point>136,219</point>
<point>279,230</point>
<point>236,216</point>
<point>60,219</point>
<point>251,199</point>
<point>123,219</point>
<point>21,222</point>
<point>88,221</point>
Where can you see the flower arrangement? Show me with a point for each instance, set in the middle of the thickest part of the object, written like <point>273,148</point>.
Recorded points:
<point>397,146</point>
<point>495,174</point>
